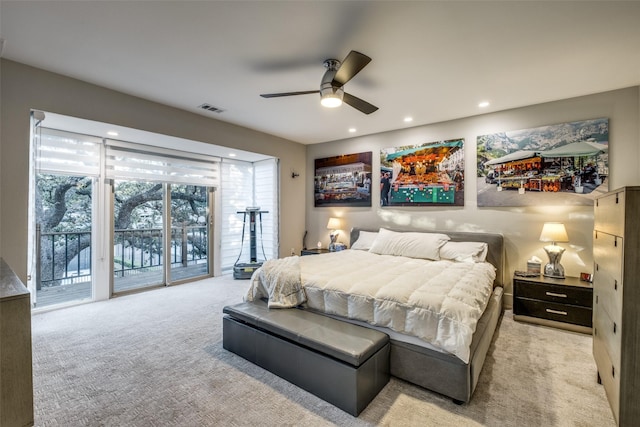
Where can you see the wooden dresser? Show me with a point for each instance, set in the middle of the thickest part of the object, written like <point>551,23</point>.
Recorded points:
<point>616,300</point>
<point>16,381</point>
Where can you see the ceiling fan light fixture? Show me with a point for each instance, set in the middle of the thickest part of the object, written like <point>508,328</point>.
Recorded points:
<point>337,74</point>
<point>331,96</point>
<point>331,101</point>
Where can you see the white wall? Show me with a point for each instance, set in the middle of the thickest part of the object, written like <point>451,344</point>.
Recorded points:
<point>520,226</point>
<point>0,156</point>
<point>24,88</point>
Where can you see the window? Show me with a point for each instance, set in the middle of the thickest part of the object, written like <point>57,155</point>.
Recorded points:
<point>245,184</point>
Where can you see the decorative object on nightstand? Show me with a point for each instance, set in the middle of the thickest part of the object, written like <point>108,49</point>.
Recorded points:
<point>534,265</point>
<point>333,225</point>
<point>554,232</point>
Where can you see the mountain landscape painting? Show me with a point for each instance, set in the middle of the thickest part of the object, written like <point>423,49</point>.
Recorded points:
<point>561,164</point>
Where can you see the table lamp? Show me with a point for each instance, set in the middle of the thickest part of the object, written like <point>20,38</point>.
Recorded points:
<point>554,232</point>
<point>333,225</point>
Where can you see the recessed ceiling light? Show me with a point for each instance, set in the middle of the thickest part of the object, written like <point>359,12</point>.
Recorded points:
<point>352,130</point>
<point>483,104</point>
<point>408,119</point>
<point>232,154</point>
<point>112,133</point>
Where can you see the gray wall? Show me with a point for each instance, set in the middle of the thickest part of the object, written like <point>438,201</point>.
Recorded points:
<point>24,88</point>
<point>520,226</point>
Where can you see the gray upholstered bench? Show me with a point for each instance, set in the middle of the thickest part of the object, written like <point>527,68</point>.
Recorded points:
<point>346,365</point>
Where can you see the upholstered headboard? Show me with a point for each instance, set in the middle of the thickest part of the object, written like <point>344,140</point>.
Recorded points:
<point>495,242</point>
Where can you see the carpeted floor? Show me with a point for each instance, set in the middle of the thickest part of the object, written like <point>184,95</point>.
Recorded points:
<point>156,359</point>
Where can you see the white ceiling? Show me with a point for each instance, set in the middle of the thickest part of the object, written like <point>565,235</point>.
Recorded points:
<point>433,61</point>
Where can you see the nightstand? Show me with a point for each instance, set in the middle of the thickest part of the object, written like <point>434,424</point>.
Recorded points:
<point>314,251</point>
<point>562,303</point>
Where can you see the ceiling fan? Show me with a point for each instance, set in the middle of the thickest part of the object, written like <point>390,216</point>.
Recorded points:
<point>331,91</point>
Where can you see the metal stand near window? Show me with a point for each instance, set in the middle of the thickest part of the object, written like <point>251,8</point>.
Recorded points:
<point>245,270</point>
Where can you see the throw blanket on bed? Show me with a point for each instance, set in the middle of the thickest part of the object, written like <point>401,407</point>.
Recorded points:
<point>439,302</point>
<point>279,281</point>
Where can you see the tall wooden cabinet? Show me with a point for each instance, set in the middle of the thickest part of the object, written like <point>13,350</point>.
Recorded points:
<point>16,381</point>
<point>616,300</point>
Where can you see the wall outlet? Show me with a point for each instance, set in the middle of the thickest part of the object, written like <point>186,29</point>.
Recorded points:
<point>293,251</point>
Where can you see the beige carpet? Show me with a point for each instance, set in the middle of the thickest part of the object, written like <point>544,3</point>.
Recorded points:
<point>156,359</point>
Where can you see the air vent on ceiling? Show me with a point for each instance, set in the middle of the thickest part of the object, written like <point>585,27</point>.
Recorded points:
<point>211,108</point>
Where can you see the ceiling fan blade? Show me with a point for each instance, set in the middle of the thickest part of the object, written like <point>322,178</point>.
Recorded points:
<point>352,64</point>
<point>277,95</point>
<point>359,104</point>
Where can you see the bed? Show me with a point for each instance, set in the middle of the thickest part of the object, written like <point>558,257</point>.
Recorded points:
<point>438,295</point>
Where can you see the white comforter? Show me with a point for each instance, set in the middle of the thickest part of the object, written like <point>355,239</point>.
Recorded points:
<point>437,301</point>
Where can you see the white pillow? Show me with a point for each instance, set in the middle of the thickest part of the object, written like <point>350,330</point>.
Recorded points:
<point>365,240</point>
<point>464,251</point>
<point>409,244</point>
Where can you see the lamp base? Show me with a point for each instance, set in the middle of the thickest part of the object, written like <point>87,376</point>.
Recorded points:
<point>332,245</point>
<point>554,273</point>
<point>554,269</point>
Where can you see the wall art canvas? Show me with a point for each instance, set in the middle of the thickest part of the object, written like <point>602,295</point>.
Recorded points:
<point>561,164</point>
<point>343,180</point>
<point>429,174</point>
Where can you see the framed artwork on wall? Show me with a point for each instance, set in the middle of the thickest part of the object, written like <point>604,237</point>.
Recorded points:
<point>562,164</point>
<point>429,174</point>
<point>343,180</point>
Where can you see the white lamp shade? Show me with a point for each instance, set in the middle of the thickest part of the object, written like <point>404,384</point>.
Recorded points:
<point>553,232</point>
<point>334,224</point>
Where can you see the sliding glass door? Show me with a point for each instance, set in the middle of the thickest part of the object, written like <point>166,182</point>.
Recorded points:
<point>153,245</point>
<point>63,214</point>
<point>190,231</point>
<point>138,254</point>
<point>63,205</point>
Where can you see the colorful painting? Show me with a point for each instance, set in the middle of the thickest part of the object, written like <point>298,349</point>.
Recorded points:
<point>563,164</point>
<point>429,174</point>
<point>343,180</point>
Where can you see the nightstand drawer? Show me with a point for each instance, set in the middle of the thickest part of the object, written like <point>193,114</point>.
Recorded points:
<point>566,313</point>
<point>561,294</point>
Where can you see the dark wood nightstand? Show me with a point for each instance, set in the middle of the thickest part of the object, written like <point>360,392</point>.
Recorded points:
<point>313,251</point>
<point>563,303</point>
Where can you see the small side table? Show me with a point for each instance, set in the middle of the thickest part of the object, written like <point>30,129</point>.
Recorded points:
<point>314,251</point>
<point>562,303</point>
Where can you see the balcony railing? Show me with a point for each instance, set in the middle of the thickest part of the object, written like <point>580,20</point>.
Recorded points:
<point>65,257</point>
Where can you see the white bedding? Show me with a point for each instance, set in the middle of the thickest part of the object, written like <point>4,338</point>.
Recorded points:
<point>439,302</point>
